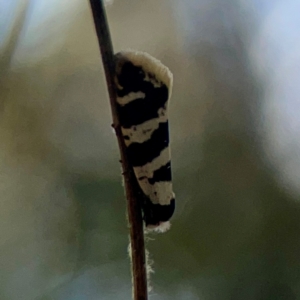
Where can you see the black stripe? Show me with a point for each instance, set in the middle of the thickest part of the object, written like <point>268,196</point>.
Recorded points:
<point>143,109</point>
<point>161,174</point>
<point>132,79</point>
<point>129,76</point>
<point>153,214</point>
<point>140,154</point>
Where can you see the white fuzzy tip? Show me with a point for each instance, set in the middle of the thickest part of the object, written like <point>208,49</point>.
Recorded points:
<point>161,228</point>
<point>150,64</point>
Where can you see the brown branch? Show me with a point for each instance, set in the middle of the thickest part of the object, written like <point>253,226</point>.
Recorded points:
<point>139,275</point>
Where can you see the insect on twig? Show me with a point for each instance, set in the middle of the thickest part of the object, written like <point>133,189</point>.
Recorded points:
<point>139,88</point>
<point>139,276</point>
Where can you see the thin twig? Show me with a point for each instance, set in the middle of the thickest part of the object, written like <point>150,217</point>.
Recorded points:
<point>139,276</point>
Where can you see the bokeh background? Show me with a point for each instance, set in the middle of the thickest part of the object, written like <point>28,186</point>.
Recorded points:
<point>235,134</point>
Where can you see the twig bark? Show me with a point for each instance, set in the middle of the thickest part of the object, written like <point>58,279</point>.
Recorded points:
<point>139,274</point>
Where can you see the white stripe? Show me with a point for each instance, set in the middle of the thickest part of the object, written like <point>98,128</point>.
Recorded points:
<point>143,132</point>
<point>148,169</point>
<point>130,97</point>
<point>154,81</point>
<point>159,193</point>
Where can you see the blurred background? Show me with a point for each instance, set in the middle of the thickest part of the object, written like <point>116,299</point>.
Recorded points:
<point>235,128</point>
